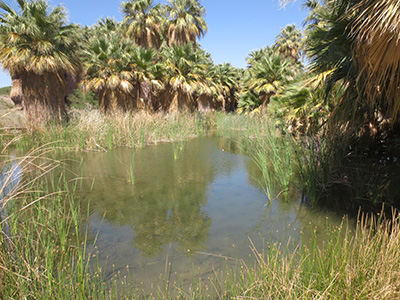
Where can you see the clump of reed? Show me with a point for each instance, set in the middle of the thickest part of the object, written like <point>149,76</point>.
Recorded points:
<point>271,148</point>
<point>273,152</point>
<point>348,173</point>
<point>363,264</point>
<point>42,245</point>
<point>92,130</point>
<point>248,125</point>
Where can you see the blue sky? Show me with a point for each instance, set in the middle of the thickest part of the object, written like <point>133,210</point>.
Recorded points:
<point>235,27</point>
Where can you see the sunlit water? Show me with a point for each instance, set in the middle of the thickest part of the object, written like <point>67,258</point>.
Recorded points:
<point>183,211</point>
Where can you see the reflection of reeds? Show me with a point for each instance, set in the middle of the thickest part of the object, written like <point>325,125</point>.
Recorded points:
<point>132,169</point>
<point>271,150</point>
<point>178,148</point>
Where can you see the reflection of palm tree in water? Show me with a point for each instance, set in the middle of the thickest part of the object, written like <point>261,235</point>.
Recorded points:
<point>164,205</point>
<point>178,221</point>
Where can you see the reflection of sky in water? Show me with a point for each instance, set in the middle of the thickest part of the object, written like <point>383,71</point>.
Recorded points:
<point>9,179</point>
<point>184,212</point>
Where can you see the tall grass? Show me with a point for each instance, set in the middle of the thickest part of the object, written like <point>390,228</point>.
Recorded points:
<point>93,131</point>
<point>270,148</point>
<point>273,153</point>
<point>248,125</point>
<point>314,160</point>
<point>347,174</point>
<point>363,264</point>
<point>43,239</point>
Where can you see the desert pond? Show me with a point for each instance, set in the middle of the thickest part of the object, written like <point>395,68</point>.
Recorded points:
<point>184,210</point>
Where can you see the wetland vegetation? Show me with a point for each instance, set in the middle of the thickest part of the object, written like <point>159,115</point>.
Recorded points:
<point>114,109</point>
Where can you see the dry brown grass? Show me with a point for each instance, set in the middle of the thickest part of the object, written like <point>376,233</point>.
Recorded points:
<point>93,131</point>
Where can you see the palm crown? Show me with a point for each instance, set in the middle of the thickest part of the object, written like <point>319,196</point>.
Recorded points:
<point>143,22</point>
<point>36,41</point>
<point>186,22</point>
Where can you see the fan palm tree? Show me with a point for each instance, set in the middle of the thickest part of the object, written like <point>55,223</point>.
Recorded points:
<point>289,43</point>
<point>300,107</point>
<point>209,89</point>
<point>223,80</point>
<point>267,76</point>
<point>143,22</point>
<point>376,32</point>
<point>248,102</point>
<point>257,55</point>
<point>38,47</point>
<point>330,51</point>
<point>104,27</point>
<point>109,74</point>
<point>356,42</point>
<point>147,75</point>
<point>186,21</point>
<point>184,75</point>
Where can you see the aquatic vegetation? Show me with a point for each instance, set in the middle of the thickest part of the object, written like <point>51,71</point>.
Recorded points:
<point>93,131</point>
<point>273,154</point>
<point>361,263</point>
<point>46,244</point>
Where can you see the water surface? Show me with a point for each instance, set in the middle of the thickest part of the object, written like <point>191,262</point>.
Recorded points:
<point>183,210</point>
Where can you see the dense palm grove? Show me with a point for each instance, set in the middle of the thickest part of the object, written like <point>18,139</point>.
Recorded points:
<point>343,103</point>
<point>150,61</point>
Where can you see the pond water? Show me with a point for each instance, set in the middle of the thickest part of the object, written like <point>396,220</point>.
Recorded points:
<point>10,176</point>
<point>185,210</point>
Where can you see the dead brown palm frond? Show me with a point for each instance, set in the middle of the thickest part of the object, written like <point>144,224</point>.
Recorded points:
<point>377,47</point>
<point>283,3</point>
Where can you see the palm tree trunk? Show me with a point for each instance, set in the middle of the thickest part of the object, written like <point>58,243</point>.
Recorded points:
<point>44,97</point>
<point>113,101</point>
<point>205,103</point>
<point>16,91</point>
<point>72,82</point>
<point>265,99</point>
<point>174,103</point>
<point>146,96</point>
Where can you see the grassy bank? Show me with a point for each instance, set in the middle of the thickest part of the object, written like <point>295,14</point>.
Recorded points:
<point>41,255</point>
<point>93,131</point>
<point>363,264</point>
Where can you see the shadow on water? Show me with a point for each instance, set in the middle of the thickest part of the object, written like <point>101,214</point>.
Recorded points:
<point>169,216</point>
